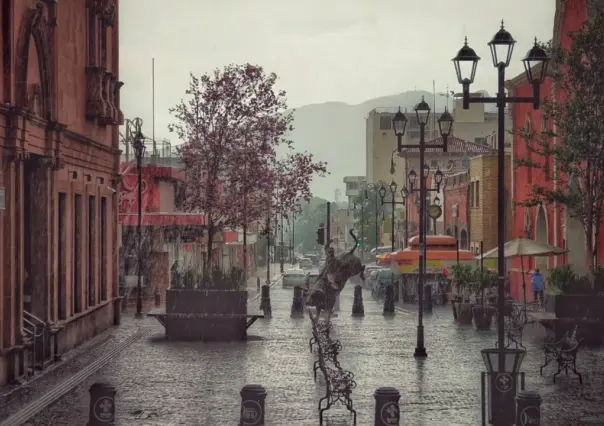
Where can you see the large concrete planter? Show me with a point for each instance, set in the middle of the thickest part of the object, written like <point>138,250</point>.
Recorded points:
<point>208,315</point>
<point>578,305</point>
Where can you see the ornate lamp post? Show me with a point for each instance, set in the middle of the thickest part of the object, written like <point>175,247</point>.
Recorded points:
<point>535,64</point>
<point>422,111</point>
<point>135,135</point>
<point>382,191</point>
<point>405,194</point>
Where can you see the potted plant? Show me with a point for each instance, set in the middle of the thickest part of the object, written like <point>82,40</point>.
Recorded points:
<point>462,277</point>
<point>482,312</point>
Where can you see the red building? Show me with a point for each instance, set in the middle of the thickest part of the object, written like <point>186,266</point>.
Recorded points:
<point>59,164</point>
<point>546,223</point>
<point>169,234</point>
<point>456,212</point>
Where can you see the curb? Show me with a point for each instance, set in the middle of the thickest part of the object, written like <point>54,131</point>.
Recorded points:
<point>39,404</point>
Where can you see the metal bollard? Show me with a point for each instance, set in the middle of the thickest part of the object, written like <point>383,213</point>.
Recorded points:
<point>387,410</point>
<point>265,301</point>
<point>253,398</point>
<point>258,284</point>
<point>102,405</point>
<point>389,301</point>
<point>358,309</point>
<point>528,408</point>
<point>297,303</point>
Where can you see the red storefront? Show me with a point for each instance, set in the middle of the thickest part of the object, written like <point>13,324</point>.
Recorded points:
<point>456,194</point>
<point>546,223</point>
<point>169,235</point>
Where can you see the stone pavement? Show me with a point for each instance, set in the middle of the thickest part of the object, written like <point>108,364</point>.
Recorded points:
<point>197,384</point>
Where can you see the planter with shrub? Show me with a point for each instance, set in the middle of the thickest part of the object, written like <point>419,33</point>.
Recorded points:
<point>213,308</point>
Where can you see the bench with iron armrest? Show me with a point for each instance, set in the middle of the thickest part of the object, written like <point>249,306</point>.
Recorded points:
<point>514,326</point>
<point>339,384</point>
<point>320,329</point>
<point>328,354</point>
<point>564,353</point>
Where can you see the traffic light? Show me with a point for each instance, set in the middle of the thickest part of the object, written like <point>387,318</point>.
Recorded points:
<point>321,235</point>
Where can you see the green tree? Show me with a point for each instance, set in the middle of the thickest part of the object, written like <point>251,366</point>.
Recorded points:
<point>310,215</point>
<point>370,218</point>
<point>576,119</point>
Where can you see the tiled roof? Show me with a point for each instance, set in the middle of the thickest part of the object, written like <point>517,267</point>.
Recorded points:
<point>454,145</point>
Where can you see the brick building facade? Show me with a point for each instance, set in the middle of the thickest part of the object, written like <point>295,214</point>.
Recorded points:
<point>59,165</point>
<point>470,204</point>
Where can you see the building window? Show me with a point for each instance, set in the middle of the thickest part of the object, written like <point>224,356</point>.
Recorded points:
<point>471,194</point>
<point>385,122</point>
<point>62,313</point>
<point>103,248</point>
<point>77,255</point>
<point>477,188</point>
<point>92,33</point>
<point>91,253</point>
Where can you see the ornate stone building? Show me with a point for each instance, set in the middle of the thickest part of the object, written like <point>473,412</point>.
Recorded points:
<point>59,168</point>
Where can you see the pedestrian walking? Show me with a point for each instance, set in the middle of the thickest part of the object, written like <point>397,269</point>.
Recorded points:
<point>538,282</point>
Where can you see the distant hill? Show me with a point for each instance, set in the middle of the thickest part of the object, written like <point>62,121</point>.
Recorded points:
<point>335,132</point>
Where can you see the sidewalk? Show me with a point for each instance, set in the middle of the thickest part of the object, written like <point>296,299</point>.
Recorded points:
<point>252,281</point>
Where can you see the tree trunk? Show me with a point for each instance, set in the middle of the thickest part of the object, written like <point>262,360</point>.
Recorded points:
<point>207,267</point>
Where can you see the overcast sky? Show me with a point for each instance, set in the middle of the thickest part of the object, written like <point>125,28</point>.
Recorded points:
<point>323,50</point>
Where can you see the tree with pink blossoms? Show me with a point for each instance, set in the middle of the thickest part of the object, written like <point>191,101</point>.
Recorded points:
<point>293,176</point>
<point>231,124</point>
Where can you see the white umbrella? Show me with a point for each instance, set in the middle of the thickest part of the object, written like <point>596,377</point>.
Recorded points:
<point>521,247</point>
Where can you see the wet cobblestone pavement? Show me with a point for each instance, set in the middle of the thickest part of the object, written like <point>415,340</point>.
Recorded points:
<point>196,384</point>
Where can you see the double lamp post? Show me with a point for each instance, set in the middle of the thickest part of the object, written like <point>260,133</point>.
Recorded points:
<point>503,364</point>
<point>445,124</point>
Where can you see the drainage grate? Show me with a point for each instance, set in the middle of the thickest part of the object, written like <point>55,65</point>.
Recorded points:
<point>33,408</point>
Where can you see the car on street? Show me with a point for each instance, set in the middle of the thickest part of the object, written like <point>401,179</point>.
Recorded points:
<point>314,258</point>
<point>305,263</point>
<point>294,277</point>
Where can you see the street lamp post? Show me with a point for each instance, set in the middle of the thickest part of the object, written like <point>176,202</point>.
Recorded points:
<point>445,124</point>
<point>382,192</point>
<point>135,134</point>
<point>535,64</point>
<point>405,194</point>
<point>373,188</point>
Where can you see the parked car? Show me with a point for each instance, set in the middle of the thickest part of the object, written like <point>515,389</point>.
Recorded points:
<point>313,258</point>
<point>294,277</point>
<point>305,263</point>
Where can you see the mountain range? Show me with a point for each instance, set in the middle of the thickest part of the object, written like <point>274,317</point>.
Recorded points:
<point>335,132</point>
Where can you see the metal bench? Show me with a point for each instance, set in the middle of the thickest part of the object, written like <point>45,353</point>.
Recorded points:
<point>514,324</point>
<point>339,383</point>
<point>564,353</point>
